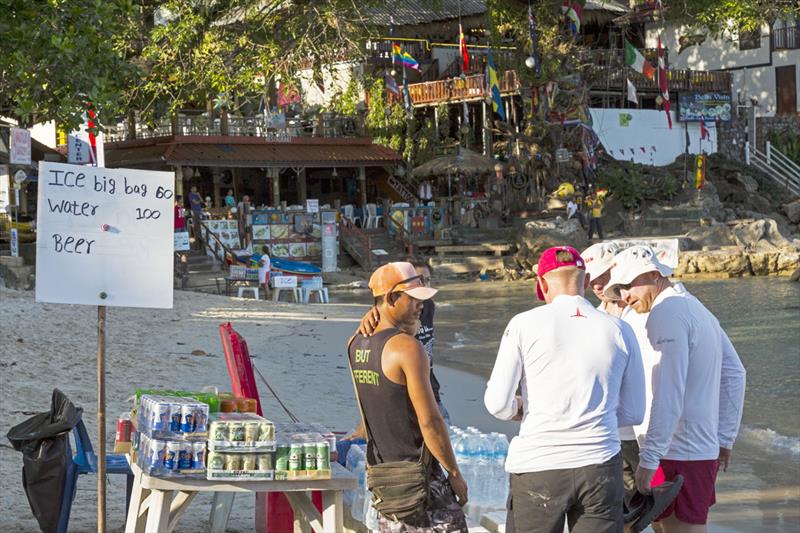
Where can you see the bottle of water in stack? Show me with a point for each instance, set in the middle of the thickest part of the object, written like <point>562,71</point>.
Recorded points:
<point>481,459</point>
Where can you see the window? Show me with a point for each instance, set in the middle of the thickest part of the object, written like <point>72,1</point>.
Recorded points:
<point>749,40</point>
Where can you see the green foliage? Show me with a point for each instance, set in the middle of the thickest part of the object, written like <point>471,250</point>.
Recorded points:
<point>788,143</point>
<point>385,122</point>
<point>57,55</point>
<point>347,102</point>
<point>633,183</point>
<point>722,16</point>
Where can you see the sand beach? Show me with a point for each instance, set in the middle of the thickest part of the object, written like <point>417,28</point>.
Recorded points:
<point>300,349</point>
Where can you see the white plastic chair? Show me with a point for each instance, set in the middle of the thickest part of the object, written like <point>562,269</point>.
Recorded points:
<point>253,289</point>
<point>372,216</point>
<point>314,285</point>
<point>349,210</point>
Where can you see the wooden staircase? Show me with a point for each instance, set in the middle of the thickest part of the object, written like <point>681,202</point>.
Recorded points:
<point>370,248</point>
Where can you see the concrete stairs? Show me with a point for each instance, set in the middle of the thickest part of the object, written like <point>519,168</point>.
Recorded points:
<point>479,254</point>
<point>201,274</point>
<point>669,220</point>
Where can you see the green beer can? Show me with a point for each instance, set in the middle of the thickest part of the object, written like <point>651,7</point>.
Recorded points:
<point>323,455</point>
<point>296,456</point>
<point>282,457</point>
<point>309,456</point>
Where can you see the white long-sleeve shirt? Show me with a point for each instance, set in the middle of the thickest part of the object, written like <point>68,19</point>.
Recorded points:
<point>696,381</point>
<point>626,433</point>
<point>581,377</point>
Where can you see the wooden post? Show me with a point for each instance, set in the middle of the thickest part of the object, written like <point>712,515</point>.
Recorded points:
<point>101,419</point>
<point>275,174</point>
<point>362,183</point>
<point>302,185</point>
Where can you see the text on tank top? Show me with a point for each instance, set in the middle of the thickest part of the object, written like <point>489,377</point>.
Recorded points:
<point>393,428</point>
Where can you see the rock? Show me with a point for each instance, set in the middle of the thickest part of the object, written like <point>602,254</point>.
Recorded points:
<point>760,236</point>
<point>730,262</point>
<point>538,235</point>
<point>758,203</point>
<point>796,275</point>
<point>710,236</point>
<point>792,210</point>
<point>749,183</point>
<point>788,263</point>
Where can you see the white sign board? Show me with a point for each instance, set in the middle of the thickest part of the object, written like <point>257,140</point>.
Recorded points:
<point>104,236</point>
<point>14,242</point>
<point>181,241</point>
<point>20,153</point>
<point>284,282</point>
<point>666,249</point>
<point>312,205</point>
<point>5,190</point>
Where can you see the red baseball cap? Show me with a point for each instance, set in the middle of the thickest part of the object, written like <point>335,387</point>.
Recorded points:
<point>557,257</point>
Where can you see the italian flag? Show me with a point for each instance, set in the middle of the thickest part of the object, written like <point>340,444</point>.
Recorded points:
<point>635,60</point>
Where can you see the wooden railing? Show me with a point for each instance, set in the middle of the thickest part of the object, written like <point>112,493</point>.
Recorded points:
<point>402,235</point>
<point>459,89</point>
<point>614,78</point>
<point>221,253</point>
<point>357,242</point>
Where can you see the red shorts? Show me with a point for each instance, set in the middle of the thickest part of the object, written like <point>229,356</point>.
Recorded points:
<point>697,494</point>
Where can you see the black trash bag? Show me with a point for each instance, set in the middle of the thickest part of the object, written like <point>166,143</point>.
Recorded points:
<point>42,439</point>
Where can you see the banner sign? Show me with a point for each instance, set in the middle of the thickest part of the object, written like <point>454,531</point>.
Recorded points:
<point>20,153</point>
<point>711,106</point>
<point>181,239</point>
<point>105,236</point>
<point>5,190</point>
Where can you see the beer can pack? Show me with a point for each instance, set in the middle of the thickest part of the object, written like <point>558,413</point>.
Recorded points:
<point>199,457</point>
<point>295,456</point>
<point>171,455</point>
<point>187,418</point>
<point>185,455</point>
<point>266,432</point>
<point>265,461</point>
<point>161,416</point>
<point>216,461</point>
<point>323,455</point>
<point>233,461</point>
<point>251,430</point>
<point>175,417</point>
<point>219,431</point>
<point>249,461</point>
<point>156,449</point>
<point>236,431</point>
<point>309,456</point>
<point>200,418</point>
<point>282,457</point>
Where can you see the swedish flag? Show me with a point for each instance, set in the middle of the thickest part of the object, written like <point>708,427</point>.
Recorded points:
<point>493,86</point>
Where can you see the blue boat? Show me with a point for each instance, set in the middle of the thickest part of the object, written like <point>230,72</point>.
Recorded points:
<point>295,267</point>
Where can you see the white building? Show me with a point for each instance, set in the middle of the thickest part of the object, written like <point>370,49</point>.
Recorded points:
<point>765,64</point>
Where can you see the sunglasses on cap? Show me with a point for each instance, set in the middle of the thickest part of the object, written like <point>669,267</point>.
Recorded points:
<point>409,280</point>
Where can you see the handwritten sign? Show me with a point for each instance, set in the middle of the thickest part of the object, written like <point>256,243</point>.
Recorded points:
<point>181,241</point>
<point>105,236</point>
<point>284,282</point>
<point>312,205</point>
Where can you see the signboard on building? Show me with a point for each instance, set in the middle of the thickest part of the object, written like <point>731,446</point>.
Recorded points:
<point>5,190</point>
<point>181,240</point>
<point>711,106</point>
<point>84,147</point>
<point>312,205</point>
<point>105,236</point>
<point>20,149</point>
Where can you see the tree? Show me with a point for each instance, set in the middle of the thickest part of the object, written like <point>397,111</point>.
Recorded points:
<point>58,55</point>
<point>720,16</point>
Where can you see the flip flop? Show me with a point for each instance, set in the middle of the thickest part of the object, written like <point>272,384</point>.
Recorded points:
<point>644,508</point>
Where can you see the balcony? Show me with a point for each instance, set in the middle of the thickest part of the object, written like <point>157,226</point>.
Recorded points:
<point>613,79</point>
<point>466,89</point>
<point>321,125</point>
<point>786,38</point>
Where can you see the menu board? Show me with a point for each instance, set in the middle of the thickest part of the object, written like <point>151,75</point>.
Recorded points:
<point>710,106</point>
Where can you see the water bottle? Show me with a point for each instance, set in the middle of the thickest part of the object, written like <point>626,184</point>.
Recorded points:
<point>500,451</point>
<point>351,461</point>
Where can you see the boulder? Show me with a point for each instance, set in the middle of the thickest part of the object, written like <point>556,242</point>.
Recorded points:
<point>792,210</point>
<point>538,235</point>
<point>748,182</point>
<point>760,236</point>
<point>710,237</point>
<point>718,263</point>
<point>796,275</point>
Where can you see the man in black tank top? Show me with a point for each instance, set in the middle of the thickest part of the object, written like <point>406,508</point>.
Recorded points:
<point>391,374</point>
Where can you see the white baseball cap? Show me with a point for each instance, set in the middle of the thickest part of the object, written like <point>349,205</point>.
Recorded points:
<point>599,258</point>
<point>631,263</point>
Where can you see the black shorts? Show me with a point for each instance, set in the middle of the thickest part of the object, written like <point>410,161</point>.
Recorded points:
<point>589,498</point>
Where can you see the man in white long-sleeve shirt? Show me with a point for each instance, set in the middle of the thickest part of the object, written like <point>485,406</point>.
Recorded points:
<point>581,377</point>
<point>696,385</point>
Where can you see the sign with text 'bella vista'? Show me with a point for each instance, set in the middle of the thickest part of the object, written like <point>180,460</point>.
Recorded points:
<point>104,236</point>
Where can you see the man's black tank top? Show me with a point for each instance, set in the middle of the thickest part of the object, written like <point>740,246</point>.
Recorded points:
<point>392,425</point>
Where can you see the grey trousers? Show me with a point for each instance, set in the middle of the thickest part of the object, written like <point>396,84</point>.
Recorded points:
<point>630,462</point>
<point>589,497</point>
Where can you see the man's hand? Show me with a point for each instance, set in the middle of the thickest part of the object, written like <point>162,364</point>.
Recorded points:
<point>520,409</point>
<point>644,476</point>
<point>724,458</point>
<point>459,486</point>
<point>369,322</point>
<point>358,433</point>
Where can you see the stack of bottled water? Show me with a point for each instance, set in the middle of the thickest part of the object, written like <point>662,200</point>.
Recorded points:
<point>481,458</point>
<point>360,500</point>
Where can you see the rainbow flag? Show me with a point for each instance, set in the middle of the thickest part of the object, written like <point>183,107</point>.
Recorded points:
<point>401,56</point>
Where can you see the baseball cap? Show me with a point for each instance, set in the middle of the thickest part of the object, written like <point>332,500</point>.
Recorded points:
<point>631,263</point>
<point>599,258</point>
<point>399,277</point>
<point>557,257</point>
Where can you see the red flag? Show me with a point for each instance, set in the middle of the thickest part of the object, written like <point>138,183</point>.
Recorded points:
<point>462,43</point>
<point>704,133</point>
<point>663,82</point>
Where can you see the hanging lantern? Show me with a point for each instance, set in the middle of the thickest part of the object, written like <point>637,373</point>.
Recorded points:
<point>530,62</point>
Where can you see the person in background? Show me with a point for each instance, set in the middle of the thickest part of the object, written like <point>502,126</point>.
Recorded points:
<point>695,386</point>
<point>581,378</point>
<point>180,219</point>
<point>264,265</point>
<point>243,211</point>
<point>230,201</point>
<point>594,202</point>
<point>196,204</point>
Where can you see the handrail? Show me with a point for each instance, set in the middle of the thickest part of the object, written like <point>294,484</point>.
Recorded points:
<point>782,159</point>
<point>350,232</point>
<point>777,170</point>
<point>402,235</point>
<point>210,235</point>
